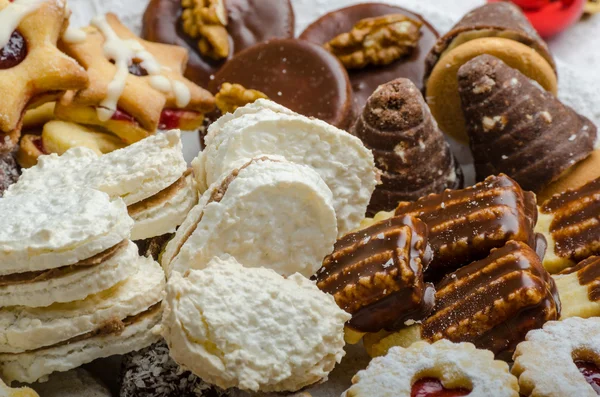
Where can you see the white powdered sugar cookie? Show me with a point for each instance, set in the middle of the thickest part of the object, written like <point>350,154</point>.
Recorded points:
<point>58,228</point>
<point>554,361</point>
<point>455,365</point>
<point>269,213</point>
<point>271,334</point>
<point>341,159</point>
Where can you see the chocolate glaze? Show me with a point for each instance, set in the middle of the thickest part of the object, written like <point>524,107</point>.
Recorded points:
<point>14,52</point>
<point>464,225</point>
<point>494,302</point>
<point>365,81</point>
<point>575,226</point>
<point>299,75</point>
<point>588,273</point>
<point>250,22</point>
<point>376,274</point>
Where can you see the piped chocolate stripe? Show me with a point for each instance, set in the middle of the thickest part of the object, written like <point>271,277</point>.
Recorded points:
<point>160,197</point>
<point>464,225</point>
<point>588,273</point>
<point>477,302</point>
<point>575,226</point>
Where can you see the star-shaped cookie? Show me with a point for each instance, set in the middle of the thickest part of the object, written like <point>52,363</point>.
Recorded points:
<point>136,86</point>
<point>32,69</point>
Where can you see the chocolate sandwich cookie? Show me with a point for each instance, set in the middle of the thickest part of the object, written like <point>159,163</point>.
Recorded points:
<point>376,274</point>
<point>491,303</point>
<point>299,75</point>
<point>499,29</point>
<point>464,225</point>
<point>516,128</point>
<point>214,30</point>
<point>570,222</point>
<point>408,147</point>
<point>365,80</point>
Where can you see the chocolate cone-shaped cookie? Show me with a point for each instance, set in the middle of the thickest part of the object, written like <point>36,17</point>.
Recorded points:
<point>409,149</point>
<point>517,128</point>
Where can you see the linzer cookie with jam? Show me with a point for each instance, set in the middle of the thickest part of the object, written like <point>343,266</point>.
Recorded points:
<point>212,31</point>
<point>579,289</point>
<point>136,86</point>
<point>442,368</point>
<point>517,128</point>
<point>151,176</point>
<point>267,212</point>
<point>491,303</point>
<point>464,225</point>
<point>499,29</point>
<point>560,360</point>
<point>376,274</point>
<point>377,43</point>
<point>72,285</point>
<point>32,70</point>
<point>409,149</point>
<point>571,223</point>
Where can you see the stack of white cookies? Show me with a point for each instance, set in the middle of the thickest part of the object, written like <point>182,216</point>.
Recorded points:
<point>72,285</point>
<point>151,177</point>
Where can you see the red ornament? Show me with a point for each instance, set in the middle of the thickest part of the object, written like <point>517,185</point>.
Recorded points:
<point>550,17</point>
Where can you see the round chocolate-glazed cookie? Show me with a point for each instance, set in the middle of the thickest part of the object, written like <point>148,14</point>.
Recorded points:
<point>366,80</point>
<point>249,22</point>
<point>299,75</point>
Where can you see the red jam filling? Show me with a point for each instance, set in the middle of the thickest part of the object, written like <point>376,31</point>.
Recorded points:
<point>431,387</point>
<point>591,373</point>
<point>39,144</point>
<point>171,118</point>
<point>14,52</point>
<point>120,115</point>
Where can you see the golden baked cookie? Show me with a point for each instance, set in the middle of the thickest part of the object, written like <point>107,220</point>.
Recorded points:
<point>136,86</point>
<point>36,118</point>
<point>560,360</point>
<point>458,369</point>
<point>30,148</point>
<point>6,391</point>
<point>579,289</point>
<point>571,225</point>
<point>32,69</point>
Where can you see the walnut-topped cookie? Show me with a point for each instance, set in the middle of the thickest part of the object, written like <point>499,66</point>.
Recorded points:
<point>32,69</point>
<point>137,86</point>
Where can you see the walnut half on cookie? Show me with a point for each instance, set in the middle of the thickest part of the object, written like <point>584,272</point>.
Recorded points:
<point>205,20</point>
<point>377,41</point>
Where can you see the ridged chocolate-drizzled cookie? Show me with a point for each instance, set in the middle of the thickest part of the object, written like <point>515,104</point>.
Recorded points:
<point>517,128</point>
<point>409,149</point>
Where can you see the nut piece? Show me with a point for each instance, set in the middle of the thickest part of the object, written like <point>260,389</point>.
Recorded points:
<point>233,96</point>
<point>205,20</point>
<point>376,41</point>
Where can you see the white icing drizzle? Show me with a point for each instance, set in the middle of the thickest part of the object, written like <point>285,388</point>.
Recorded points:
<point>12,15</point>
<point>123,53</point>
<point>72,35</point>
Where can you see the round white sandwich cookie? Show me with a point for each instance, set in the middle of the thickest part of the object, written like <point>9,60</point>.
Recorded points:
<point>263,128</point>
<point>58,228</point>
<point>271,334</point>
<point>138,332</point>
<point>70,283</point>
<point>151,176</point>
<point>23,328</point>
<point>164,212</point>
<point>75,383</point>
<point>269,213</point>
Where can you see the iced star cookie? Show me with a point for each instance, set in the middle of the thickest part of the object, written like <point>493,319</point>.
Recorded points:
<point>265,128</point>
<point>32,69</point>
<point>439,369</point>
<point>579,289</point>
<point>136,86</point>
<point>570,221</point>
<point>562,359</point>
<point>268,212</point>
<point>491,303</point>
<point>280,334</point>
